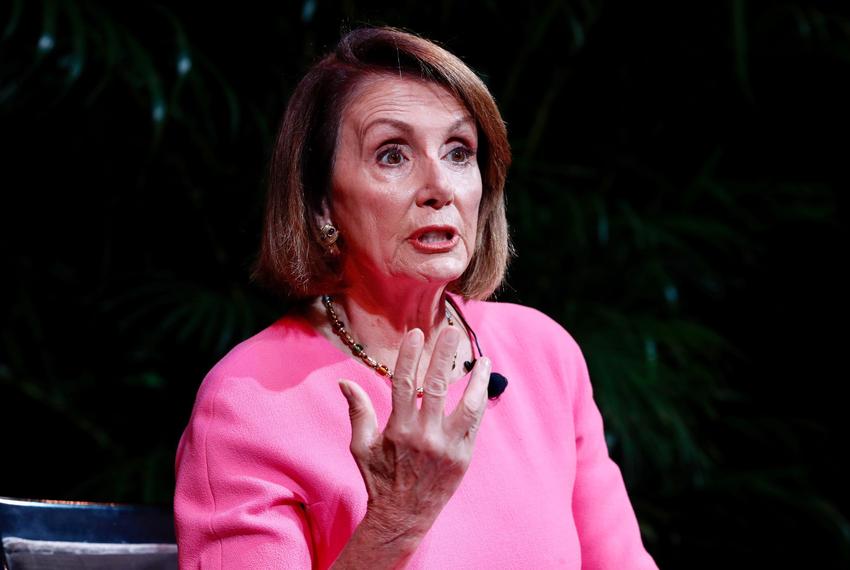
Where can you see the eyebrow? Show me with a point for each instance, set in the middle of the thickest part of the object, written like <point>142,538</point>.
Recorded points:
<point>407,129</point>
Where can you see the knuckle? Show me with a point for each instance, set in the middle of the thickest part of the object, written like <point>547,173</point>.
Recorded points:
<point>397,433</point>
<point>403,383</point>
<point>436,386</point>
<point>471,412</point>
<point>455,455</point>
<point>457,460</point>
<point>433,446</point>
<point>357,411</point>
<point>357,449</point>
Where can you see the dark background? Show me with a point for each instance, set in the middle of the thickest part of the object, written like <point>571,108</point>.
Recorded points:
<point>677,200</point>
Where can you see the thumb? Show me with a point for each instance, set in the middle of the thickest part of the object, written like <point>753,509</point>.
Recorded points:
<point>364,422</point>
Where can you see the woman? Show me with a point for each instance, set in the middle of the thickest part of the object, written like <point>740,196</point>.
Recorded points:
<point>385,221</point>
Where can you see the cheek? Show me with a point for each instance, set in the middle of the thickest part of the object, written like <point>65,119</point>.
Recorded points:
<point>372,220</point>
<point>473,203</point>
<point>473,217</point>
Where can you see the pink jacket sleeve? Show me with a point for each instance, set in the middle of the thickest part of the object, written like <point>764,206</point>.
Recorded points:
<point>233,507</point>
<point>605,520</point>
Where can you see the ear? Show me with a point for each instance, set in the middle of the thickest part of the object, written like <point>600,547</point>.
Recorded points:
<point>323,215</point>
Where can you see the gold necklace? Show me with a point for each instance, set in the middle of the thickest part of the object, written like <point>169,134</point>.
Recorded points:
<point>357,348</point>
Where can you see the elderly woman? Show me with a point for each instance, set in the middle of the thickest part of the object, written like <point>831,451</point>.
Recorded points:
<point>385,223</point>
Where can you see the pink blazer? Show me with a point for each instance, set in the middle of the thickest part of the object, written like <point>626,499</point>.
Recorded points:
<point>265,478</point>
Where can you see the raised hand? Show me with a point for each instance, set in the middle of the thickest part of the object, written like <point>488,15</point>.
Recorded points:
<point>413,467</point>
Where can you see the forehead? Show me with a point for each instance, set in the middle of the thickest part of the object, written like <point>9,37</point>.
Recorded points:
<point>383,102</point>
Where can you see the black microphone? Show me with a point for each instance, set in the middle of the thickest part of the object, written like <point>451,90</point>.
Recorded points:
<point>497,383</point>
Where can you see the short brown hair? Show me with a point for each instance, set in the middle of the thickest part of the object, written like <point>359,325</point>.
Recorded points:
<point>292,259</point>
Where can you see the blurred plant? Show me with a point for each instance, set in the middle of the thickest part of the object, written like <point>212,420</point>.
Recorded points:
<point>165,78</point>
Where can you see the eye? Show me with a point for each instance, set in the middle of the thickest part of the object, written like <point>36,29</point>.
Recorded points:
<point>461,155</point>
<point>391,156</point>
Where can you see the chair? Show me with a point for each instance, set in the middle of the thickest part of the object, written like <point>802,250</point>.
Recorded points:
<point>43,535</point>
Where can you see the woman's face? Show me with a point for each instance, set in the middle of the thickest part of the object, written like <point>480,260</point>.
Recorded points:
<point>406,185</point>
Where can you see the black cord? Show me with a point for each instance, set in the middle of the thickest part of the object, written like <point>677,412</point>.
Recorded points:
<point>466,324</point>
<point>497,383</point>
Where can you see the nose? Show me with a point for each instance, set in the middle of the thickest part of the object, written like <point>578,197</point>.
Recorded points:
<point>435,187</point>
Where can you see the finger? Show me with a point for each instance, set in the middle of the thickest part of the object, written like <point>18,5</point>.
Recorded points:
<point>465,419</point>
<point>437,378</point>
<point>364,422</point>
<point>404,378</point>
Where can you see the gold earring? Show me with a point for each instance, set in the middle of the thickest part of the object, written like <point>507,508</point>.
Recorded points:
<point>329,235</point>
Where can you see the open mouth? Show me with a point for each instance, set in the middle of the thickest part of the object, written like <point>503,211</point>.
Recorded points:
<point>435,239</point>
<point>437,236</point>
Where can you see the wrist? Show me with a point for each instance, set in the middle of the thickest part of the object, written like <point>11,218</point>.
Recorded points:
<point>402,534</point>
<point>375,544</point>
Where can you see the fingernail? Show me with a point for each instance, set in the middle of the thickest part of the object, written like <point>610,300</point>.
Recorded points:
<point>415,337</point>
<point>346,391</point>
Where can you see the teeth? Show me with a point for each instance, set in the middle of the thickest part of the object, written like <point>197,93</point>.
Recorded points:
<point>431,237</point>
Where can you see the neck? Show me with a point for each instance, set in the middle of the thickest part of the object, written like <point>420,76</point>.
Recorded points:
<point>378,318</point>
<point>382,315</point>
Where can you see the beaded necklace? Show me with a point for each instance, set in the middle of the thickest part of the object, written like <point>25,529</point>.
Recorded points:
<point>357,348</point>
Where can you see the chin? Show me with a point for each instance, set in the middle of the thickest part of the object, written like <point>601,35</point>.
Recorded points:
<point>441,270</point>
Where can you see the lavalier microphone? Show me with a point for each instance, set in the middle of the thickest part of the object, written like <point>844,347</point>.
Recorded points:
<point>498,382</point>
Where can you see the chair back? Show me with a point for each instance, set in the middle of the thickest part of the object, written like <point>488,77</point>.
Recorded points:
<point>66,534</point>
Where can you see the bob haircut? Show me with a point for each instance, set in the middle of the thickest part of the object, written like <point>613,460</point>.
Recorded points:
<point>292,259</point>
